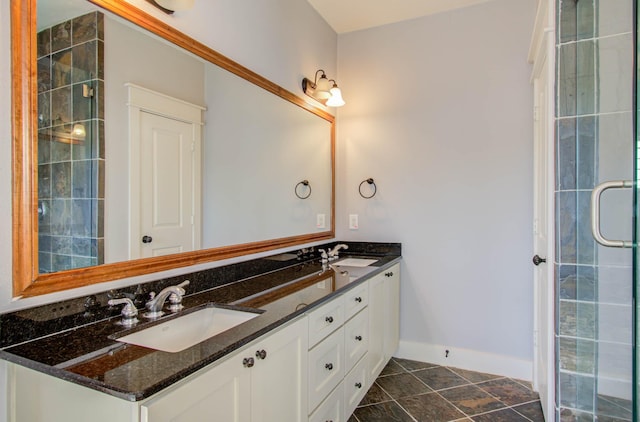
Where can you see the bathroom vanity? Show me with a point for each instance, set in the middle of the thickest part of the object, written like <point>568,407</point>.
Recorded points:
<point>321,336</point>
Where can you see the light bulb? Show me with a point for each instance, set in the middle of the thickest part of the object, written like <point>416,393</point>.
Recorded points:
<point>336,97</point>
<point>79,131</point>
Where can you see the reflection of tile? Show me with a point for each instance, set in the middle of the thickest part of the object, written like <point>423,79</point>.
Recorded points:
<point>60,262</point>
<point>614,407</point>
<point>567,26</point>
<point>83,185</point>
<point>61,36</point>
<point>577,282</point>
<point>615,323</point>
<point>374,395</point>
<point>44,74</point>
<point>61,105</point>
<point>60,215</point>
<point>532,410</point>
<point>44,147</point>
<point>61,245</point>
<point>615,285</point>
<point>413,365</point>
<point>474,376</point>
<point>585,20</point>
<point>439,378</point>
<point>85,62</point>
<point>577,355</point>
<point>44,181</point>
<point>505,415</point>
<point>85,28</point>
<point>60,149</point>
<point>83,107</point>
<point>44,109</point>
<point>615,73</point>
<point>566,144</point>
<point>44,42</point>
<point>613,17</point>
<point>61,180</point>
<point>577,391</point>
<point>566,226</point>
<point>572,415</point>
<point>61,69</point>
<point>402,385</point>
<point>614,146</point>
<point>586,147</point>
<point>383,412</point>
<point>585,77</point>
<point>577,319</point>
<point>430,407</point>
<point>471,400</point>
<point>566,83</point>
<point>508,391</point>
<point>82,220</point>
<point>586,245</point>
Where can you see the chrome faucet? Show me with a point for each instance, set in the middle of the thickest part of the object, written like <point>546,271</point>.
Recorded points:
<point>333,253</point>
<point>174,293</point>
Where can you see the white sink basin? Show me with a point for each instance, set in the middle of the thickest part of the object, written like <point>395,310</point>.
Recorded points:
<point>190,329</point>
<point>355,262</point>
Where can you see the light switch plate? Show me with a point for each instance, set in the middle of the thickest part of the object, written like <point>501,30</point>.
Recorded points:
<point>353,221</point>
<point>321,221</point>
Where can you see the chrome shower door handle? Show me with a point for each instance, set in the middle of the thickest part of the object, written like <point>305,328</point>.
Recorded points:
<point>595,213</point>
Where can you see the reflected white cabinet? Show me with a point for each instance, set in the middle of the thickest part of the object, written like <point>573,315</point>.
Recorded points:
<point>384,319</point>
<point>265,381</point>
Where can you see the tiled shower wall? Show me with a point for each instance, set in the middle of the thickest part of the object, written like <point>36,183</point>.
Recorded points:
<point>594,143</point>
<point>71,167</point>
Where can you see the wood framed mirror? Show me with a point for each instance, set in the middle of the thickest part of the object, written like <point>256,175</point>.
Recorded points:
<point>28,279</point>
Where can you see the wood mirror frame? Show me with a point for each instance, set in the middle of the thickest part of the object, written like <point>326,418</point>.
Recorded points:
<point>27,281</point>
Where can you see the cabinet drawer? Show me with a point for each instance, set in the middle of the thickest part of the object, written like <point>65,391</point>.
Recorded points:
<point>355,300</point>
<point>355,387</point>
<point>356,338</point>
<point>325,320</point>
<point>326,367</point>
<point>332,409</point>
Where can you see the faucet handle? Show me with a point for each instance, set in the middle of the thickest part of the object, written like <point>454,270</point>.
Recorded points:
<point>323,255</point>
<point>175,300</point>
<point>129,311</point>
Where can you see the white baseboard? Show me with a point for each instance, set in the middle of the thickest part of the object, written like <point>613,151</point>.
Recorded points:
<point>472,360</point>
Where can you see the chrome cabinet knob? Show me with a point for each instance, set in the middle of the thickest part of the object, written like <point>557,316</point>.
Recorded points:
<point>248,362</point>
<point>261,354</point>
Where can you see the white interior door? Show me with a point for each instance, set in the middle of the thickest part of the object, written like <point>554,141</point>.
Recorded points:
<point>543,377</point>
<point>166,186</point>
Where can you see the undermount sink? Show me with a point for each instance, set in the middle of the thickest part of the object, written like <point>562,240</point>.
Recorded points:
<point>355,262</point>
<point>189,329</point>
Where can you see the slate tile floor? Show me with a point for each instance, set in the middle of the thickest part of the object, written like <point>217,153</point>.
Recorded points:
<point>413,391</point>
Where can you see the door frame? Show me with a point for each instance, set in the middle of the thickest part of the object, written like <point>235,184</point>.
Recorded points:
<point>542,56</point>
<point>143,100</point>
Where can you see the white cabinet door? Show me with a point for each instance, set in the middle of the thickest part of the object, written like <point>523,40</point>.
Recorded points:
<point>356,338</point>
<point>356,385</point>
<point>272,387</point>
<point>377,324</point>
<point>221,393</point>
<point>392,311</point>
<point>331,409</point>
<point>279,376</point>
<point>326,367</point>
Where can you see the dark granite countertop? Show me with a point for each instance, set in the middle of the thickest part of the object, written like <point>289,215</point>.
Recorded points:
<point>89,356</point>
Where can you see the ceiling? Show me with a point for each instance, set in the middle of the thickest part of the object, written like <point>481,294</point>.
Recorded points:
<point>353,15</point>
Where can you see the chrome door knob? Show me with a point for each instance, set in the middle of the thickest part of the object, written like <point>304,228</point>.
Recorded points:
<point>147,239</point>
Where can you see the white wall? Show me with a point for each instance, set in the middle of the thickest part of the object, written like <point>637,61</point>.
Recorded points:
<point>282,40</point>
<point>439,113</point>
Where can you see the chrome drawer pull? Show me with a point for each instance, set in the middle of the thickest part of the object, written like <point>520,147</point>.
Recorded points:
<point>247,362</point>
<point>358,385</point>
<point>261,354</point>
<point>329,366</point>
<point>359,338</point>
<point>329,319</point>
<point>358,299</point>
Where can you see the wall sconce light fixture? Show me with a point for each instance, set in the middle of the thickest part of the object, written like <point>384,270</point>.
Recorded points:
<point>323,90</point>
<point>170,6</point>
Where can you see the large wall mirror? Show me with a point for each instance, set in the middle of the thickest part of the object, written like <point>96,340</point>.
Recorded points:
<point>138,149</point>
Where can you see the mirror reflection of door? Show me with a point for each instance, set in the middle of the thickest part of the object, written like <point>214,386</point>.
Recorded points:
<point>167,215</point>
<point>165,193</point>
